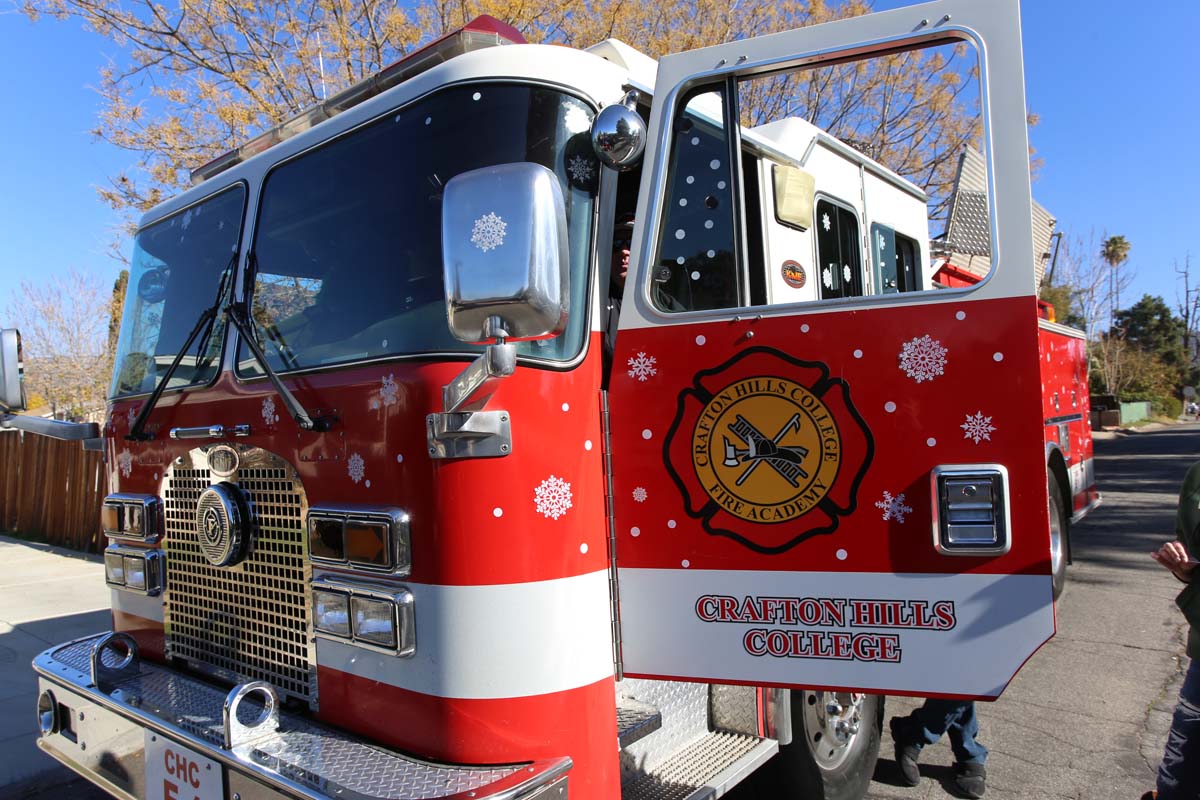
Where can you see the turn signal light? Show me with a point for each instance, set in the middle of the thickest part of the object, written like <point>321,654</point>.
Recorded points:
<point>375,539</point>
<point>132,516</point>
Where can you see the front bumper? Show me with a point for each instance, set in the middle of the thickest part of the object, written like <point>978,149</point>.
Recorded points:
<point>107,709</point>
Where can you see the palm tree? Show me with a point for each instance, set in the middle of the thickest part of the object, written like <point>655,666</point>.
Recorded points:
<point>1115,251</point>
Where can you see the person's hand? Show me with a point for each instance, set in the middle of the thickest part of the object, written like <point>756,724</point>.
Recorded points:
<point>1174,557</point>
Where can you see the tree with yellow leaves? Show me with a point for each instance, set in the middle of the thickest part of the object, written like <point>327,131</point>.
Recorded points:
<point>199,78</point>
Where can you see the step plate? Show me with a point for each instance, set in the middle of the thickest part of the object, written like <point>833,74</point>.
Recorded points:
<point>635,720</point>
<point>707,768</point>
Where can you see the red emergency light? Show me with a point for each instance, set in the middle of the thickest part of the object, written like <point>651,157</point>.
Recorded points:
<point>481,32</point>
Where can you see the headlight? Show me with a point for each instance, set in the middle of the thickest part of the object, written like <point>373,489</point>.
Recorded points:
<point>114,568</point>
<point>135,573</point>
<point>331,612</point>
<point>374,621</point>
<point>134,569</point>
<point>373,617</point>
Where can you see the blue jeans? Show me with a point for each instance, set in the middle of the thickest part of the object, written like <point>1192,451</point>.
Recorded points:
<point>954,717</point>
<point>1179,773</point>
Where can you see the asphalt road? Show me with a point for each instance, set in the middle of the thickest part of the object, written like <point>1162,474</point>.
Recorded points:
<point>1087,717</point>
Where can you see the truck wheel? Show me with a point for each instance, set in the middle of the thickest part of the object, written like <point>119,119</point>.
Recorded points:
<point>835,741</point>
<point>1058,539</point>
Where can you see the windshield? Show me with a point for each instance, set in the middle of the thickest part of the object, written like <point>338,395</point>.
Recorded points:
<point>348,245</point>
<point>174,276</point>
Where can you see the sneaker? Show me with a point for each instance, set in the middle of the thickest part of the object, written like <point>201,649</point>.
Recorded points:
<point>907,753</point>
<point>1151,795</point>
<point>969,777</point>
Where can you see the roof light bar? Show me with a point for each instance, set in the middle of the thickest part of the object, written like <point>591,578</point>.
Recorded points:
<point>481,32</point>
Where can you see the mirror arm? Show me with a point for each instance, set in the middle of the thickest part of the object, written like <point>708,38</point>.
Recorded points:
<point>51,428</point>
<point>475,385</point>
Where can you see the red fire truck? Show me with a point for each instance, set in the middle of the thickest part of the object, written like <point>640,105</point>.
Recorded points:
<point>402,507</point>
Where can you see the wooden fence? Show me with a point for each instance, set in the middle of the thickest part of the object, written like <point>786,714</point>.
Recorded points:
<point>51,490</point>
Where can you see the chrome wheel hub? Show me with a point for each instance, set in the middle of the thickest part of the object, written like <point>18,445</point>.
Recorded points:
<point>832,721</point>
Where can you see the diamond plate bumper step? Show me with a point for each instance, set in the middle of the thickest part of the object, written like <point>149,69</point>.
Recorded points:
<point>635,720</point>
<point>707,768</point>
<point>136,700</point>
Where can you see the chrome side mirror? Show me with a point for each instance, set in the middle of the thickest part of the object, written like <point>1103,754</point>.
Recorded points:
<point>12,371</point>
<point>619,134</point>
<point>504,254</point>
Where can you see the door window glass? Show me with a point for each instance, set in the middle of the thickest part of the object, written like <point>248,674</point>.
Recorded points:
<point>828,157</point>
<point>894,256</point>
<point>838,249</point>
<point>695,268</point>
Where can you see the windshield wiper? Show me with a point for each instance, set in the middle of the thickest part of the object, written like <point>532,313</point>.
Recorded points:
<point>205,322</point>
<point>238,314</point>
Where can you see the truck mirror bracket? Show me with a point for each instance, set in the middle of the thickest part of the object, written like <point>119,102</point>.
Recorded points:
<point>463,430</point>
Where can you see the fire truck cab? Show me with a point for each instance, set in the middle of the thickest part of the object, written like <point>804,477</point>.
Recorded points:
<point>413,497</point>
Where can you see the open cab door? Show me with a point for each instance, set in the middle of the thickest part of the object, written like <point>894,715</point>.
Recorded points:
<point>827,471</point>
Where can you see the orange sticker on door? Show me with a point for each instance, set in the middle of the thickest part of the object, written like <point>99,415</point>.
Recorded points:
<point>793,274</point>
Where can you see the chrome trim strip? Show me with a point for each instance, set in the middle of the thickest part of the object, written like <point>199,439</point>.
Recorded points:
<point>1089,508</point>
<point>1063,419</point>
<point>1058,327</point>
<point>210,432</point>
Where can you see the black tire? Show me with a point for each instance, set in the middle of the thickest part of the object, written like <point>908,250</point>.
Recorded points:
<point>1060,538</point>
<point>801,772</point>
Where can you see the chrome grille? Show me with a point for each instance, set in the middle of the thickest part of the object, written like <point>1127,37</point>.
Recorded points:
<point>247,621</point>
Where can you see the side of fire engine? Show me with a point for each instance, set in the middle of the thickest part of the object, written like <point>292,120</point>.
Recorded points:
<point>385,523</point>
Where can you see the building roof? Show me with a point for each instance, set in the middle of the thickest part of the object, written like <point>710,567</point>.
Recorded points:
<point>967,241</point>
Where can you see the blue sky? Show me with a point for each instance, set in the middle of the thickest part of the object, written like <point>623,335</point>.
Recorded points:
<point>1115,88</point>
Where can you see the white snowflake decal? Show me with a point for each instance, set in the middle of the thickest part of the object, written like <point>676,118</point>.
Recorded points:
<point>390,391</point>
<point>978,427</point>
<point>576,120</point>
<point>268,411</point>
<point>893,507</point>
<point>639,494</point>
<point>827,278</point>
<point>923,359</point>
<point>132,415</point>
<point>489,232</point>
<point>356,467</point>
<point>641,366</point>
<point>882,243</point>
<point>825,223</point>
<point>580,169</point>
<point>125,461</point>
<point>846,272</point>
<point>552,497</point>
